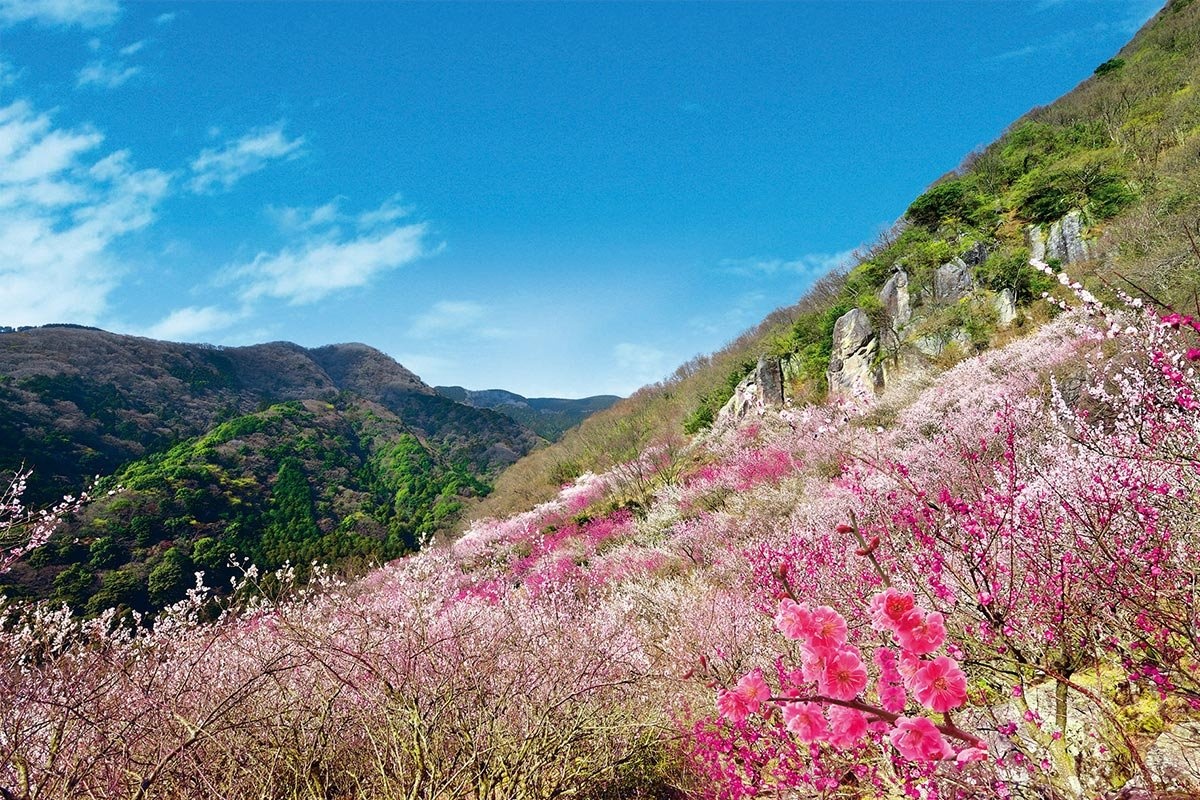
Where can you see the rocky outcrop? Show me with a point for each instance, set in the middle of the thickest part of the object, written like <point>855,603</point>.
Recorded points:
<point>1005,303</point>
<point>1063,241</point>
<point>853,367</point>
<point>952,281</point>
<point>1174,758</point>
<point>976,255</point>
<point>760,389</point>
<point>894,296</point>
<point>769,377</point>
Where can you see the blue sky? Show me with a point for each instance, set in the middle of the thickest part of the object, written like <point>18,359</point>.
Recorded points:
<point>556,199</point>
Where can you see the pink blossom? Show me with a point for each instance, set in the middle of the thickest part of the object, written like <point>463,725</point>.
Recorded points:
<point>890,685</point>
<point>844,676</point>
<point>848,726</point>
<point>918,740</point>
<point>940,684</point>
<point>806,721</point>
<point>970,754</point>
<point>745,698</point>
<point>812,662</point>
<point>793,619</point>
<point>921,633</point>
<point>888,607</point>
<point>828,628</point>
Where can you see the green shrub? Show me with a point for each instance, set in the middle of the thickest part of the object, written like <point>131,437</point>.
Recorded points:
<point>1010,270</point>
<point>952,199</point>
<point>1093,180</point>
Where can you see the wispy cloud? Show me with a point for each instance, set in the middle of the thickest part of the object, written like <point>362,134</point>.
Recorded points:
<point>166,18</point>
<point>130,49</point>
<point>737,314</point>
<point>62,206</point>
<point>811,264</point>
<point>218,169</point>
<point>326,259</point>
<point>53,13</point>
<point>447,316</point>
<point>191,323</point>
<point>1136,14</point>
<point>8,74</point>
<point>456,318</point>
<point>291,219</point>
<point>640,364</point>
<point>104,75</point>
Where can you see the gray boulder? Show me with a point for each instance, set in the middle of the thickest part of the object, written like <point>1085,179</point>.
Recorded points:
<point>852,364</point>
<point>952,281</point>
<point>769,377</point>
<point>1066,241</point>
<point>976,255</point>
<point>1174,758</point>
<point>1063,241</point>
<point>894,296</point>
<point>1006,307</point>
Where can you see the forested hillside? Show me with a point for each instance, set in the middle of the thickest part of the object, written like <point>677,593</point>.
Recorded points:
<point>271,454</point>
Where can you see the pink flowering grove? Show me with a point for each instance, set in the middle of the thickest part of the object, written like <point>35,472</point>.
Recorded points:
<point>982,584</point>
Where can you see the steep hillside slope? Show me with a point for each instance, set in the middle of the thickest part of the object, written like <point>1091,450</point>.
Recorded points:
<point>1102,180</point>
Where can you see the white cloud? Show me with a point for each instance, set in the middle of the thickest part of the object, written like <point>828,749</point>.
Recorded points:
<point>327,262</point>
<point>130,49</point>
<point>8,74</point>
<point>85,13</point>
<point>447,316</point>
<point>291,219</point>
<point>62,206</point>
<point>389,212</point>
<point>165,18</point>
<point>105,75</point>
<point>218,169</point>
<point>812,264</point>
<point>191,323</point>
<point>736,314</point>
<point>640,364</point>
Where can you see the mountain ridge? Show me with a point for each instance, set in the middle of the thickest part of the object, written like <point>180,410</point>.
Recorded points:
<point>550,417</point>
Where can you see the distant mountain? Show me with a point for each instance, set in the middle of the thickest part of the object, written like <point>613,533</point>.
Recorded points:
<point>550,417</point>
<point>272,452</point>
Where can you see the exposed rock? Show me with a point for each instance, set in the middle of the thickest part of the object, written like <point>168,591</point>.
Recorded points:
<point>1006,307</point>
<point>1174,758</point>
<point>976,255</point>
<point>852,367</point>
<point>952,280</point>
<point>745,397</point>
<point>761,388</point>
<point>1035,238</point>
<point>933,346</point>
<point>769,377</point>
<point>894,296</point>
<point>1064,240</point>
<point>789,368</point>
